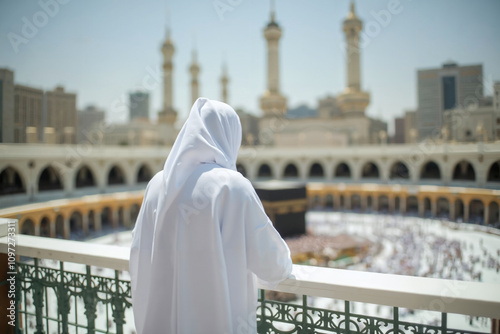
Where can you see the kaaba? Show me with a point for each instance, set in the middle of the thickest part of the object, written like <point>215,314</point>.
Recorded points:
<point>286,204</point>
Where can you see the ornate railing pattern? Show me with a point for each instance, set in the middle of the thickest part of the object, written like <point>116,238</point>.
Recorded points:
<point>102,301</point>
<point>279,317</point>
<point>40,289</point>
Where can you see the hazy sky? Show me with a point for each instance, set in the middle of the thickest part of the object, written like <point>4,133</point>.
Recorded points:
<point>103,49</point>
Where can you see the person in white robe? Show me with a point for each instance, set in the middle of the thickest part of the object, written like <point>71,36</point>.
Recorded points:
<point>202,237</point>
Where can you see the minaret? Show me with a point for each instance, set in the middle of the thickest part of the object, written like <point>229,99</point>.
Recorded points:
<point>168,115</point>
<point>272,102</point>
<point>224,80</point>
<point>194,69</point>
<point>353,101</point>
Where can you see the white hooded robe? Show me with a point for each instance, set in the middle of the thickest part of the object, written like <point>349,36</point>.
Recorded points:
<point>202,236</point>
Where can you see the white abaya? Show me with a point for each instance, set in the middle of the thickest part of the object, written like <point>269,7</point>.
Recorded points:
<point>202,236</point>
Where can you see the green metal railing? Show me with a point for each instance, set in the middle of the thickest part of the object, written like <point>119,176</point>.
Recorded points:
<point>88,303</point>
<point>101,300</point>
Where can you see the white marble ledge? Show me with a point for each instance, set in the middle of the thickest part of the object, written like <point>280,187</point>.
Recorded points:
<point>470,298</point>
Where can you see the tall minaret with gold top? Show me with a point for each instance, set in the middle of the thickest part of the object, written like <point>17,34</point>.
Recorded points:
<point>272,102</point>
<point>167,115</point>
<point>194,70</point>
<point>224,80</point>
<point>353,101</point>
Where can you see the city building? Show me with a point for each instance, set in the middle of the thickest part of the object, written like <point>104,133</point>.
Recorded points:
<point>90,119</point>
<point>449,87</point>
<point>476,122</point>
<point>410,126</point>
<point>399,130</point>
<point>139,105</point>
<point>138,132</point>
<point>496,96</point>
<point>6,106</point>
<point>28,114</point>
<point>61,115</point>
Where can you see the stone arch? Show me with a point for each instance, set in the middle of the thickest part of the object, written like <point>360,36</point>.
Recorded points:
<point>342,170</point>
<point>45,227</point>
<point>427,206</point>
<point>265,171</point>
<point>121,217</point>
<point>116,175</point>
<point>383,203</point>
<point>28,227</point>
<point>369,203</point>
<point>494,172</point>
<point>493,217</point>
<point>60,226</point>
<point>106,218</point>
<point>49,179</point>
<point>290,171</point>
<point>355,202</point>
<point>84,177</point>
<point>476,211</point>
<point>134,212</point>
<point>316,170</point>
<point>459,209</point>
<point>399,170</point>
<point>316,202</point>
<point>91,221</point>
<point>397,204</point>
<point>144,174</point>
<point>464,171</point>
<point>329,201</point>
<point>412,204</point>
<point>241,168</point>
<point>76,225</point>
<point>430,171</point>
<point>11,182</point>
<point>370,170</point>
<point>442,207</point>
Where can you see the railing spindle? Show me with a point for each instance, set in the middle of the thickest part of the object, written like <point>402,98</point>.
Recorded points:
<point>63,300</point>
<point>38,299</point>
<point>118,307</point>
<point>444,323</point>
<point>395,315</point>
<point>347,309</point>
<point>90,301</point>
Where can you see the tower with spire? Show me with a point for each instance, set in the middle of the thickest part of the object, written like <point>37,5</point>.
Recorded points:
<point>224,80</point>
<point>167,115</point>
<point>353,101</point>
<point>194,69</point>
<point>272,102</point>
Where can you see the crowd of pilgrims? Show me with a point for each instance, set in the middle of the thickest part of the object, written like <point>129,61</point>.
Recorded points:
<point>417,250</point>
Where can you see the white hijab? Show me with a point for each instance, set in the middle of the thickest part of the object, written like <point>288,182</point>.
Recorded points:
<point>202,236</point>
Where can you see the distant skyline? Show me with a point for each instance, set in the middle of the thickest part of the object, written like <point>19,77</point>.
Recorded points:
<point>103,50</point>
